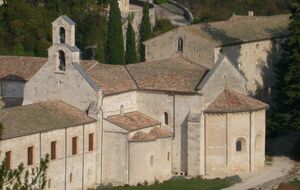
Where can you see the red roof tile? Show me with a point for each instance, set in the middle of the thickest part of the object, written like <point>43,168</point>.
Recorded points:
<point>154,134</point>
<point>112,79</point>
<point>40,117</point>
<point>19,68</point>
<point>133,121</point>
<point>173,74</point>
<point>230,101</point>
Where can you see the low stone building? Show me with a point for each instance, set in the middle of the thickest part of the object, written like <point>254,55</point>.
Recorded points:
<point>149,120</point>
<point>251,43</point>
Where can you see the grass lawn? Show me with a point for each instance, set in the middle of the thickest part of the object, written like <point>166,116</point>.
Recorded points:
<point>182,184</point>
<point>296,183</point>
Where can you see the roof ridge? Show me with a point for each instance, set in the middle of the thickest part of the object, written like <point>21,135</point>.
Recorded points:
<point>131,76</point>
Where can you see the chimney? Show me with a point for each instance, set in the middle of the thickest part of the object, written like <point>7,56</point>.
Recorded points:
<point>250,13</point>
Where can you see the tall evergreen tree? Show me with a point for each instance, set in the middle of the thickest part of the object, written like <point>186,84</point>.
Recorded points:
<point>145,30</point>
<point>115,42</point>
<point>130,55</point>
<point>286,112</point>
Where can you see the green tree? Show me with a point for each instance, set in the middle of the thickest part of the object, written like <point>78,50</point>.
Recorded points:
<point>145,30</point>
<point>130,55</point>
<point>286,110</point>
<point>115,42</point>
<point>21,179</point>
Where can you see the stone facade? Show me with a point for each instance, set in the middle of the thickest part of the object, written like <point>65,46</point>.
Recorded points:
<point>67,171</point>
<point>150,123</point>
<point>206,43</point>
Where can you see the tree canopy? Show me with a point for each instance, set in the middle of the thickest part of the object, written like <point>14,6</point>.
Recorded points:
<point>145,30</point>
<point>286,109</point>
<point>114,53</point>
<point>130,55</point>
<point>25,26</point>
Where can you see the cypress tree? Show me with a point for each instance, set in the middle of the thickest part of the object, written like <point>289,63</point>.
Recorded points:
<point>145,30</point>
<point>130,55</point>
<point>287,98</point>
<point>115,43</point>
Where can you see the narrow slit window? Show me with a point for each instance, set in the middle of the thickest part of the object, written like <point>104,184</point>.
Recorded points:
<point>62,35</point>
<point>166,118</point>
<point>180,45</point>
<point>74,145</point>
<point>91,142</point>
<point>8,159</point>
<point>62,61</point>
<point>53,150</point>
<point>30,156</point>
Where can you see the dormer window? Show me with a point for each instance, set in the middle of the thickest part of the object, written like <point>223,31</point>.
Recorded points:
<point>62,35</point>
<point>62,61</point>
<point>180,45</point>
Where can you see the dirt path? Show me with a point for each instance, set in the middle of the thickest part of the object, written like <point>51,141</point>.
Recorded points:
<point>279,168</point>
<point>176,19</point>
<point>282,150</point>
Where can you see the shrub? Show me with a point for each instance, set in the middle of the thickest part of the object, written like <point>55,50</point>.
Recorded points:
<point>158,2</point>
<point>145,183</point>
<point>156,182</point>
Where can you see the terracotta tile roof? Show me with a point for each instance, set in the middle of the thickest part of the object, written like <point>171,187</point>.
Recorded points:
<point>40,117</point>
<point>230,101</point>
<point>20,68</point>
<point>112,79</point>
<point>242,29</point>
<point>133,121</point>
<point>173,74</point>
<point>154,134</point>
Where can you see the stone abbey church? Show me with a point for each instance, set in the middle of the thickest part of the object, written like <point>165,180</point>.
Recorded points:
<point>185,111</point>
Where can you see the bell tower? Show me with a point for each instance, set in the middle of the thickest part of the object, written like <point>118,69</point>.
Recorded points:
<point>63,51</point>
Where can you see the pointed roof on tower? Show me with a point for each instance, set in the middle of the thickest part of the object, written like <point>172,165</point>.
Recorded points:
<point>230,101</point>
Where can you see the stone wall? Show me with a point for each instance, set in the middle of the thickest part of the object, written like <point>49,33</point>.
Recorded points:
<point>222,75</point>
<point>66,168</point>
<point>196,49</point>
<point>222,131</point>
<point>255,60</point>
<point>112,104</point>
<point>115,155</point>
<point>149,161</point>
<point>69,87</point>
<point>175,105</point>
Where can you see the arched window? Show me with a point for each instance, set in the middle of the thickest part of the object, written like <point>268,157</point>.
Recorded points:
<point>151,161</point>
<point>180,45</point>
<point>62,35</point>
<point>166,118</point>
<point>71,177</point>
<point>169,156</point>
<point>240,145</point>
<point>122,110</point>
<point>62,61</point>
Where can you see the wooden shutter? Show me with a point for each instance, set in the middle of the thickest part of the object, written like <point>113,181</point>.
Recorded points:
<point>30,156</point>
<point>74,145</point>
<point>91,142</point>
<point>53,150</point>
<point>8,159</point>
